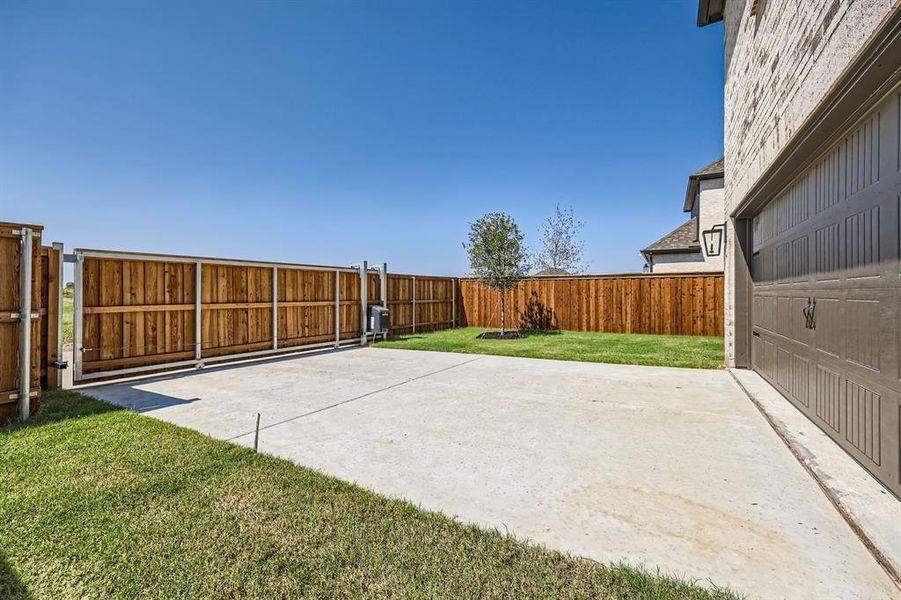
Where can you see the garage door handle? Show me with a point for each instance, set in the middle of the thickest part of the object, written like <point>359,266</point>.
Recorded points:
<point>810,312</point>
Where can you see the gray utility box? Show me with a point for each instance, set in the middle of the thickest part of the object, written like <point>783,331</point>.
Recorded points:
<point>379,319</point>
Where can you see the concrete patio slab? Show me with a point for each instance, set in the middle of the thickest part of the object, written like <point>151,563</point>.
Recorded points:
<point>670,468</point>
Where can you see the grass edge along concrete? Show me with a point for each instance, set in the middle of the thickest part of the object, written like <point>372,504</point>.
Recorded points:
<point>103,501</point>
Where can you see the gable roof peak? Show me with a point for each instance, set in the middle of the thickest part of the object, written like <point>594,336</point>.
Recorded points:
<point>714,170</point>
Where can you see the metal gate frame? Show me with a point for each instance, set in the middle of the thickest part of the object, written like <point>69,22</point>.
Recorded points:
<point>79,376</point>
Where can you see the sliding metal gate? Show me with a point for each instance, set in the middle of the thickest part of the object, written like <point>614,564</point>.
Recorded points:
<point>139,313</point>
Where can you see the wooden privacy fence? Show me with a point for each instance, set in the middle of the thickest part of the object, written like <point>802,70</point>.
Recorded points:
<point>21,395</point>
<point>681,304</point>
<point>421,303</point>
<point>143,312</point>
<point>152,312</point>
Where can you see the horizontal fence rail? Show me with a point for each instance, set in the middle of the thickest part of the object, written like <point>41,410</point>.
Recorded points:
<point>142,312</point>
<point>420,303</point>
<point>678,304</point>
<point>149,312</point>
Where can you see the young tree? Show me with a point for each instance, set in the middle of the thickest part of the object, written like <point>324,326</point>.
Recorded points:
<point>497,255</point>
<point>561,249</point>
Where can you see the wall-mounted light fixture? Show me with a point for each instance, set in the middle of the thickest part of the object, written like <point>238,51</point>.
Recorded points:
<point>714,239</point>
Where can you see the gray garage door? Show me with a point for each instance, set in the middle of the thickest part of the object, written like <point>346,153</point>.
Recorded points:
<point>827,299</point>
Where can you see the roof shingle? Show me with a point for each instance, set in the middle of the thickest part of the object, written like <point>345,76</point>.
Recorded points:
<point>714,168</point>
<point>683,237</point>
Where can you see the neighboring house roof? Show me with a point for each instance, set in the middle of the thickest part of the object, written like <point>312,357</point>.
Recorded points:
<point>552,271</point>
<point>681,239</point>
<point>714,170</point>
<point>710,11</point>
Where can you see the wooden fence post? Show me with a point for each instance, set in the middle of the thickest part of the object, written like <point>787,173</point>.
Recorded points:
<point>275,308</point>
<point>198,311</point>
<point>337,307</point>
<point>364,300</point>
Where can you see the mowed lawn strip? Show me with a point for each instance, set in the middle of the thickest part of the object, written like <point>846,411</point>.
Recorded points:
<point>68,313</point>
<point>102,502</point>
<point>620,348</point>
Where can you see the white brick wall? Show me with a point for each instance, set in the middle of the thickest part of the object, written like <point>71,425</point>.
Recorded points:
<point>678,263</point>
<point>712,194</point>
<point>779,65</point>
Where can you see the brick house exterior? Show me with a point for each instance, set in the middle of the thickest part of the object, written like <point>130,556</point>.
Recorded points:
<point>684,250</point>
<point>812,140</point>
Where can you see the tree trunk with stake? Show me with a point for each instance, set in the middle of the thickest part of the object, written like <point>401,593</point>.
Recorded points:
<point>503,309</point>
<point>497,255</point>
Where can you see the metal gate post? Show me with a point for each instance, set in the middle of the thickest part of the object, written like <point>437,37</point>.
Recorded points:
<point>383,287</point>
<point>58,246</point>
<point>337,307</point>
<point>364,299</point>
<point>453,303</point>
<point>275,308</point>
<point>25,324</point>
<point>414,304</point>
<point>198,312</point>
<point>77,325</point>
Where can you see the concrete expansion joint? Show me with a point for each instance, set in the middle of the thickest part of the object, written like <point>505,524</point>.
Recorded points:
<point>355,398</point>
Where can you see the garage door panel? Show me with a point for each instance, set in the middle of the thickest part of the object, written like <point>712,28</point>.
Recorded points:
<point>783,262</point>
<point>871,428</point>
<point>784,316</point>
<point>832,236</point>
<point>862,243</point>
<point>784,368</point>
<point>862,149</point>
<point>769,358</point>
<point>863,410</point>
<point>765,309</point>
<point>863,324</point>
<point>829,330</point>
<point>762,268</point>
<point>800,261</point>
<point>800,379</point>
<point>827,252</point>
<point>828,403</point>
<point>799,332</point>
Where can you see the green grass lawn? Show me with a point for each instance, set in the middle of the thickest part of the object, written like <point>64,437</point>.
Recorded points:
<point>68,312</point>
<point>101,502</point>
<point>620,348</point>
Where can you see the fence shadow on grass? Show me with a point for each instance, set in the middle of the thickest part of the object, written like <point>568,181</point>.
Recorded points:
<point>11,586</point>
<point>404,337</point>
<point>60,405</point>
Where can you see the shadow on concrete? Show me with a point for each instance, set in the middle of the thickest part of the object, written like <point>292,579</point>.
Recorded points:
<point>227,366</point>
<point>141,401</point>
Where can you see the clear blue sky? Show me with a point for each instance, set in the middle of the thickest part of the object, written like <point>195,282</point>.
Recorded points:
<point>327,132</point>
